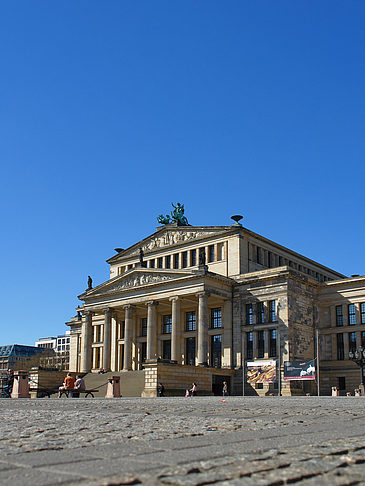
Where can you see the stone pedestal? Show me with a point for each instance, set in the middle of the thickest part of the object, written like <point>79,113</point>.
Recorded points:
<point>21,385</point>
<point>113,387</point>
<point>335,391</point>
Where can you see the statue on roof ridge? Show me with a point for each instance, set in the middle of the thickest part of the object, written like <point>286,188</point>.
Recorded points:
<point>177,216</point>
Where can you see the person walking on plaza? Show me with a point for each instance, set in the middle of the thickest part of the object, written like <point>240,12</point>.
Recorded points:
<point>160,390</point>
<point>8,388</point>
<point>67,385</point>
<point>193,390</point>
<point>225,389</point>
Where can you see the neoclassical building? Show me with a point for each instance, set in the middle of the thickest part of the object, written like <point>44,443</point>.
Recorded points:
<point>205,300</point>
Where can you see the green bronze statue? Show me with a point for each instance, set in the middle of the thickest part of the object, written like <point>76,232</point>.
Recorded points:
<point>177,216</point>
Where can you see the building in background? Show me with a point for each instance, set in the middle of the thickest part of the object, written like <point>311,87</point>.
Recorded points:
<point>199,302</point>
<point>61,346</point>
<point>19,357</point>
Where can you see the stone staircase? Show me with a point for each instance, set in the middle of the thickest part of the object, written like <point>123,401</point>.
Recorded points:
<point>131,382</point>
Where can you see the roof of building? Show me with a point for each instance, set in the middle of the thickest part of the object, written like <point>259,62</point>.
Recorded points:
<point>19,350</point>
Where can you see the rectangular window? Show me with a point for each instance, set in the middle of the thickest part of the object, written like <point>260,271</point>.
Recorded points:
<point>273,343</point>
<point>281,261</point>
<point>258,255</point>
<point>363,339</point>
<point>152,263</point>
<point>362,312</point>
<point>211,253</point>
<point>340,347</point>
<point>167,324</point>
<point>190,321</point>
<point>143,352</point>
<point>260,312</point>
<point>216,318</point>
<point>166,349</point>
<point>352,314</point>
<point>184,259</point>
<point>272,311</point>
<point>249,314</point>
<point>176,260</point>
<point>144,326</point>
<point>249,345</point>
<point>159,262</point>
<point>216,351</point>
<point>193,257</point>
<point>260,344</point>
<point>190,351</point>
<point>220,251</point>
<point>352,341</point>
<point>168,261</point>
<point>339,315</point>
<point>269,259</point>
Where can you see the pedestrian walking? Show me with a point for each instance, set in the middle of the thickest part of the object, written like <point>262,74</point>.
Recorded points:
<point>225,389</point>
<point>193,390</point>
<point>160,390</point>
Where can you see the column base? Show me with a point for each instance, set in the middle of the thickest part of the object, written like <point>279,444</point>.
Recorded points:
<point>205,365</point>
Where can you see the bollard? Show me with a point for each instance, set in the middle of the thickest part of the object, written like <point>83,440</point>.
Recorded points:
<point>357,392</point>
<point>20,385</point>
<point>335,391</point>
<point>348,394</point>
<point>113,387</point>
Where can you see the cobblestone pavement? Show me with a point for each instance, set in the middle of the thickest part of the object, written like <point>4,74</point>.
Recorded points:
<point>184,442</point>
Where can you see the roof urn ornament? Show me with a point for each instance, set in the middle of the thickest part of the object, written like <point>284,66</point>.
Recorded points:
<point>236,218</point>
<point>177,216</point>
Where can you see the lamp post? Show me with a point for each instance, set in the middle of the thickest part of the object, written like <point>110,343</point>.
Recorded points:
<point>358,357</point>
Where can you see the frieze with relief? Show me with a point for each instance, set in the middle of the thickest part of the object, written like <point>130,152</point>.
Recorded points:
<point>139,280</point>
<point>172,238</point>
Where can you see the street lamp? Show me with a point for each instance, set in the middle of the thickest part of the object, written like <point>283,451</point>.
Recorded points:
<point>358,357</point>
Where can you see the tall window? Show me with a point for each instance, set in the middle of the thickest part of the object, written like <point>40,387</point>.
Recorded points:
<point>193,257</point>
<point>190,351</point>
<point>143,352</point>
<point>190,321</point>
<point>211,253</point>
<point>216,351</point>
<point>272,311</point>
<point>269,259</point>
<point>249,345</point>
<point>184,259</point>
<point>340,347</point>
<point>166,349</point>
<point>273,343</point>
<point>168,261</point>
<point>352,341</point>
<point>362,312</point>
<point>176,260</point>
<point>144,326</point>
<point>281,261</point>
<point>167,324</point>
<point>216,318</point>
<point>220,251</point>
<point>352,314</point>
<point>159,262</point>
<point>152,263</point>
<point>339,315</point>
<point>249,314</point>
<point>258,255</point>
<point>363,339</point>
<point>260,344</point>
<point>260,312</point>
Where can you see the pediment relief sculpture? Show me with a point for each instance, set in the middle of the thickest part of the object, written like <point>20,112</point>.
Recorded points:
<point>139,280</point>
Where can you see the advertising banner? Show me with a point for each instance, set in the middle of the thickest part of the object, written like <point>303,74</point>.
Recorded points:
<point>299,370</point>
<point>261,371</point>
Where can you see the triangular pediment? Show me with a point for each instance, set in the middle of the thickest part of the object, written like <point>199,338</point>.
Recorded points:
<point>170,237</point>
<point>135,278</point>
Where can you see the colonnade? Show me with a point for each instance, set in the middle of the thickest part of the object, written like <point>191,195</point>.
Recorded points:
<point>202,326</point>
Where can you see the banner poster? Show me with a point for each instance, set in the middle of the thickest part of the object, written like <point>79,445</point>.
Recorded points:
<point>261,371</point>
<point>299,370</point>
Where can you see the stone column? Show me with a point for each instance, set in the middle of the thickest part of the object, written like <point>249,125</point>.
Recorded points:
<point>114,344</point>
<point>107,339</point>
<point>227,335</point>
<point>175,333</point>
<point>151,330</point>
<point>203,329</point>
<point>266,343</point>
<point>86,330</point>
<point>128,327</point>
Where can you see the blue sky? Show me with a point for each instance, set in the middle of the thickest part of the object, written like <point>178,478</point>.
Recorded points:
<point>111,110</point>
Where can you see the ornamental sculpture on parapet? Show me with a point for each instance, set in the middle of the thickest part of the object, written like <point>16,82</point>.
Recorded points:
<point>177,216</point>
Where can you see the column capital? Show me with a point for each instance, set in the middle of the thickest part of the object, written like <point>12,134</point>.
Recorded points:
<point>151,303</point>
<point>107,310</point>
<point>174,299</point>
<point>129,307</point>
<point>203,293</point>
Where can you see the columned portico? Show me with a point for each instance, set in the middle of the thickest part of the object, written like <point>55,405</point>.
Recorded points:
<point>107,339</point>
<point>127,364</point>
<point>175,332</point>
<point>203,329</point>
<point>151,330</point>
<point>86,340</point>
